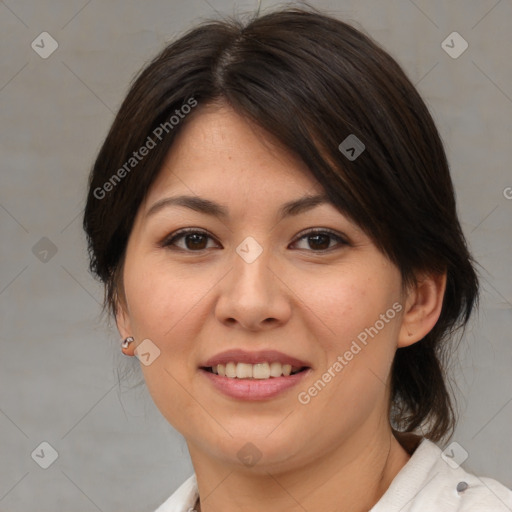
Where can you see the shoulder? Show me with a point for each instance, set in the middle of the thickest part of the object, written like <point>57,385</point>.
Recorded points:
<point>432,480</point>
<point>486,494</point>
<point>183,499</point>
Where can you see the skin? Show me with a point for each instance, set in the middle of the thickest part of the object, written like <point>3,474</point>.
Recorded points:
<point>339,448</point>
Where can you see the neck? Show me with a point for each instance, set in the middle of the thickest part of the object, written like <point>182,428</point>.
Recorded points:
<point>356,473</point>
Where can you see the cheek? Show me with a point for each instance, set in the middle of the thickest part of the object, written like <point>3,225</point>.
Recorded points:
<point>163,308</point>
<point>344,305</point>
<point>159,299</point>
<point>348,323</point>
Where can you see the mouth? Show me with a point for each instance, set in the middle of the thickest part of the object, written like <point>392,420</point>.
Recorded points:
<point>254,376</point>
<point>251,376</point>
<point>262,364</point>
<point>259,371</point>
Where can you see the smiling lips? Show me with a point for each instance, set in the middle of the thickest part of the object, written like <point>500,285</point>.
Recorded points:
<point>254,375</point>
<point>264,370</point>
<point>254,365</point>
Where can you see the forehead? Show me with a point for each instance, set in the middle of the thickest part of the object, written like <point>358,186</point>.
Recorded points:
<point>220,153</point>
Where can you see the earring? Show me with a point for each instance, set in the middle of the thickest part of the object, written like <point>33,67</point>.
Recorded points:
<point>126,342</point>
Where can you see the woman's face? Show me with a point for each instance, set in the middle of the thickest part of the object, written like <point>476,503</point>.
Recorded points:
<point>257,280</point>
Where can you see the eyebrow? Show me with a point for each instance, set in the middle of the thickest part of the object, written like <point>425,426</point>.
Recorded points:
<point>208,207</point>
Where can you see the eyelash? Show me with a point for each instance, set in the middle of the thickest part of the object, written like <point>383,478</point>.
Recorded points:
<point>169,241</point>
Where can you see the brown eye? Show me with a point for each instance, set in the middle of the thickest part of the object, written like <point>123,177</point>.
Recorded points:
<point>320,240</point>
<point>193,240</point>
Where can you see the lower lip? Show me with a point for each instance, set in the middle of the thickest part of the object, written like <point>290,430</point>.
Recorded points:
<point>254,389</point>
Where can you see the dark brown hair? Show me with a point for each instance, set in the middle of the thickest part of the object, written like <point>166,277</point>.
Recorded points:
<point>310,81</point>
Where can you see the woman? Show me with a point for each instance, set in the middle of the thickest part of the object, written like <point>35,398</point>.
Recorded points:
<point>274,220</point>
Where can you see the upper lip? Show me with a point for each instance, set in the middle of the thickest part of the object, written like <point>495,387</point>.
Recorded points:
<point>262,356</point>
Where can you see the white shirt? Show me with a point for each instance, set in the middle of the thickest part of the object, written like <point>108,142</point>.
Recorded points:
<point>427,483</point>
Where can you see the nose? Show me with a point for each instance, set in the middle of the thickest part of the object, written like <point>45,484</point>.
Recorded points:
<point>252,296</point>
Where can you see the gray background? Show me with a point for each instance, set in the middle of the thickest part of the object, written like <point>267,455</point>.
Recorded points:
<point>63,379</point>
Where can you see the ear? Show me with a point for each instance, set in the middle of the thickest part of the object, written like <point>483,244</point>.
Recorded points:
<point>124,324</point>
<point>422,308</point>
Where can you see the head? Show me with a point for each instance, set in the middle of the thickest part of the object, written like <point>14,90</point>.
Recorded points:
<point>252,117</point>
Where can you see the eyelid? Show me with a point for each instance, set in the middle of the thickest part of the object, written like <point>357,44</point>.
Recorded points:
<point>167,241</point>
<point>340,238</point>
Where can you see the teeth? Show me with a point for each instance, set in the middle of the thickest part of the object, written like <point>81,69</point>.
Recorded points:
<point>276,369</point>
<point>261,371</point>
<point>253,371</point>
<point>244,371</point>
<point>231,370</point>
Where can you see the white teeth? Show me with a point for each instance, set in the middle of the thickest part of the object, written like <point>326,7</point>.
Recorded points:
<point>231,370</point>
<point>261,371</point>
<point>276,369</point>
<point>244,371</point>
<point>253,371</point>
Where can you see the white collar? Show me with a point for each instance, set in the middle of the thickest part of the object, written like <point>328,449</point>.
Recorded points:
<point>427,482</point>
